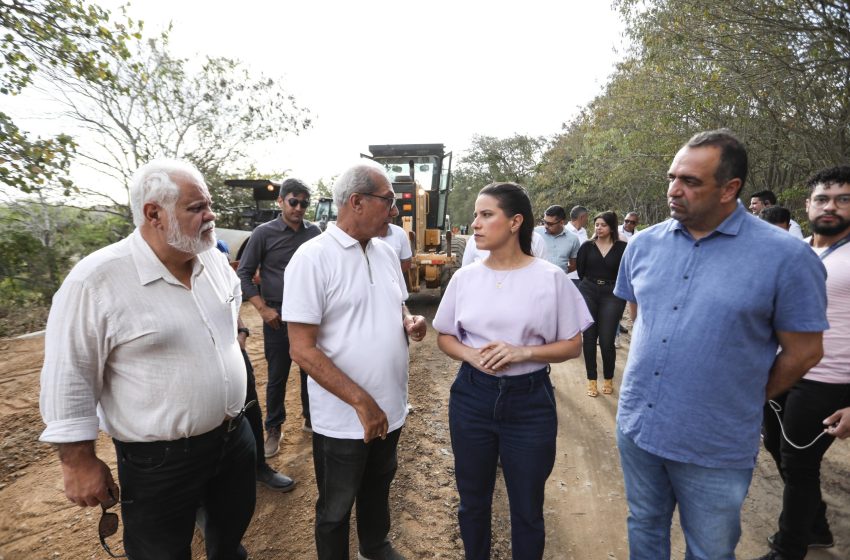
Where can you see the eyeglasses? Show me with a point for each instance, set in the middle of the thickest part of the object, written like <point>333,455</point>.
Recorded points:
<point>108,526</point>
<point>551,224</point>
<point>295,202</point>
<point>841,201</point>
<point>633,222</point>
<point>388,200</point>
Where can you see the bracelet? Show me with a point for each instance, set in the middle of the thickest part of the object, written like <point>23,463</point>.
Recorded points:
<point>242,330</point>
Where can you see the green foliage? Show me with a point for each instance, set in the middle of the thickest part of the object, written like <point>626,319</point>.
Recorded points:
<point>490,159</point>
<point>39,243</point>
<point>774,71</point>
<point>40,34</point>
<point>164,107</point>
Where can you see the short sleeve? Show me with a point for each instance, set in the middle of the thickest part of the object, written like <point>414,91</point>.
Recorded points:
<point>801,294</point>
<point>573,315</point>
<point>445,321</point>
<point>406,252</point>
<point>305,281</point>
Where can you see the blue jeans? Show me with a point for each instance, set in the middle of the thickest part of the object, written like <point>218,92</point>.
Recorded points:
<point>514,419</point>
<point>709,503</point>
<point>276,348</point>
<point>164,483</point>
<point>349,470</point>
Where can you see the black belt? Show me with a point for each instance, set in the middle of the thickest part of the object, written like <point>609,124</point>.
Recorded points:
<point>600,282</point>
<point>231,424</point>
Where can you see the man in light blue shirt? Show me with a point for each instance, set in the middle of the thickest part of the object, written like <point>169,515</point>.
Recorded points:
<point>704,351</point>
<point>561,245</point>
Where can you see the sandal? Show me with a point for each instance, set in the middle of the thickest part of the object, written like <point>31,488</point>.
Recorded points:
<point>592,391</point>
<point>607,386</point>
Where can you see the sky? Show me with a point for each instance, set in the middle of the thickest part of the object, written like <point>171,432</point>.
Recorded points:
<point>384,72</point>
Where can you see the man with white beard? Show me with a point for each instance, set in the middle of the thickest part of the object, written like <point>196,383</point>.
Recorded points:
<point>141,343</point>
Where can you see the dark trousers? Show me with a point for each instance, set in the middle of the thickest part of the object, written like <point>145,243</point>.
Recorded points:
<point>276,347</point>
<point>349,471</point>
<point>254,415</point>
<point>606,310</point>
<point>804,407</point>
<point>163,484</point>
<point>512,419</point>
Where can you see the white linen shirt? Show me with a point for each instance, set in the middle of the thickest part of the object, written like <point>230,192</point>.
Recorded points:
<point>355,298</point>
<point>132,350</point>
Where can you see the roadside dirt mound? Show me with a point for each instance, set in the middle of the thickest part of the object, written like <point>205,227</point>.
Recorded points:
<point>585,509</point>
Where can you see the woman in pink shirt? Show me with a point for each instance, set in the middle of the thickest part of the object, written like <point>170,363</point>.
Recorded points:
<point>506,319</point>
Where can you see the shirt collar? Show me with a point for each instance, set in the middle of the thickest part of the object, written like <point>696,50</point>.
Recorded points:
<point>148,265</point>
<point>345,240</point>
<point>730,226</point>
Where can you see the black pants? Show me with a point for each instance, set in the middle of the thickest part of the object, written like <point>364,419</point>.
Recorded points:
<point>804,407</point>
<point>606,310</point>
<point>254,415</point>
<point>164,483</point>
<point>349,471</point>
<point>276,347</point>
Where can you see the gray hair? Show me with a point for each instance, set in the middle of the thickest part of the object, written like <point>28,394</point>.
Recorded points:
<point>154,182</point>
<point>359,178</point>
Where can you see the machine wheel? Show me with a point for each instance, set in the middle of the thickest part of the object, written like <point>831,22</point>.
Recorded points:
<point>458,247</point>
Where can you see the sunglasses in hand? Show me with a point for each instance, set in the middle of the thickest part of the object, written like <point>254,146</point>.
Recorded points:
<point>108,524</point>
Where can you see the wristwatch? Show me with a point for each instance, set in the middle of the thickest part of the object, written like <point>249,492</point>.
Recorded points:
<point>245,330</point>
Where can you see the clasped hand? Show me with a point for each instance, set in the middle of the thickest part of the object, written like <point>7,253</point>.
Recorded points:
<point>496,356</point>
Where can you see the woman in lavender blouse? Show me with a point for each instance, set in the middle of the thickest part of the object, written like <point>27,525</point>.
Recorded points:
<point>506,319</point>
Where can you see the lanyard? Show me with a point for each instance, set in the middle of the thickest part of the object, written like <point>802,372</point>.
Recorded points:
<point>843,241</point>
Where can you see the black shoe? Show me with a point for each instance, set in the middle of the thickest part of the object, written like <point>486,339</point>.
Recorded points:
<point>818,541</point>
<point>273,480</point>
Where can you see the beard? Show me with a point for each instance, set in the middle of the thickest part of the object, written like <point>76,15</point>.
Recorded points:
<point>188,244</point>
<point>829,229</point>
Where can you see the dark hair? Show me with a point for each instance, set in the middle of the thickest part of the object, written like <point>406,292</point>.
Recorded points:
<point>577,211</point>
<point>775,215</point>
<point>610,218</point>
<point>733,154</point>
<point>294,186</point>
<point>513,199</point>
<point>765,197</point>
<point>556,211</point>
<point>838,175</point>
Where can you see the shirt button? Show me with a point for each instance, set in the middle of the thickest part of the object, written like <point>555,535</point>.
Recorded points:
<point>657,373</point>
<point>650,405</point>
<point>686,276</point>
<point>696,244</point>
<point>675,308</point>
<point>663,340</point>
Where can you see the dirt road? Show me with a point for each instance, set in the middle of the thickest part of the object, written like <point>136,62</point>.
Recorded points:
<point>585,510</point>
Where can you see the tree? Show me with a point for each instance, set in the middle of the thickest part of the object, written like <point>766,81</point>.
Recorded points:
<point>490,159</point>
<point>39,34</point>
<point>165,108</point>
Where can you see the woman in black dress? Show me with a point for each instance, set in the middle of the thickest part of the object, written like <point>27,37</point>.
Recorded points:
<point>597,264</point>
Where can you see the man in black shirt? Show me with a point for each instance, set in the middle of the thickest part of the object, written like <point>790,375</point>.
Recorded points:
<point>270,249</point>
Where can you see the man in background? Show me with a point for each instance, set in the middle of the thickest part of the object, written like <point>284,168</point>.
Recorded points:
<point>561,245</point>
<point>269,249</point>
<point>766,199</point>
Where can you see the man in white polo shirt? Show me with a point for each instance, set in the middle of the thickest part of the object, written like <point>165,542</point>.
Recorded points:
<point>397,238</point>
<point>344,305</point>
